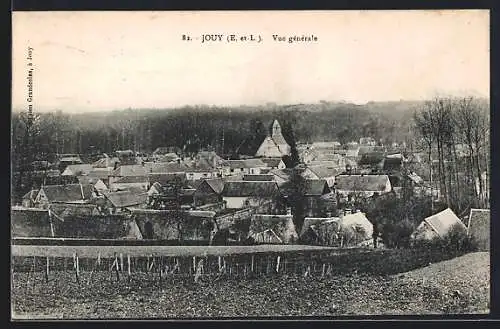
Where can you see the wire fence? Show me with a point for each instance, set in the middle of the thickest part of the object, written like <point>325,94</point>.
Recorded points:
<point>123,266</point>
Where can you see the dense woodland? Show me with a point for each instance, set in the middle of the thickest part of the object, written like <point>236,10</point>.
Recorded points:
<point>229,131</point>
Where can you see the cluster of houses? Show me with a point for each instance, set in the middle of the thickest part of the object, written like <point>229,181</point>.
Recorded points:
<point>232,196</point>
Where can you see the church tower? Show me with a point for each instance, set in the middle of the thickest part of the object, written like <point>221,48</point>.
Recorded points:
<point>274,145</point>
<point>276,130</point>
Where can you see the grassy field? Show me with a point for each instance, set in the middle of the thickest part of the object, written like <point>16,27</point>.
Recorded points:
<point>456,286</point>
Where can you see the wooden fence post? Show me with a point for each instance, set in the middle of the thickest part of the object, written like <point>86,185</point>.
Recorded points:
<point>121,262</point>
<point>323,271</point>
<point>252,264</point>
<point>147,266</point>
<point>160,265</point>
<point>77,267</point>
<point>278,264</point>
<point>116,268</point>
<point>128,265</point>
<point>47,271</point>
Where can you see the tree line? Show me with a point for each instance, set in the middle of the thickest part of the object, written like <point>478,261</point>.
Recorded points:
<point>455,134</point>
<point>226,130</point>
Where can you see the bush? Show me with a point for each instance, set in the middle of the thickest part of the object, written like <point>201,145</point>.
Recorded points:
<point>455,242</point>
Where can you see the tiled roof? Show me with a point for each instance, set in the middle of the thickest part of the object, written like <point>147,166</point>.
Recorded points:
<point>371,183</point>
<point>443,221</point>
<point>249,189</point>
<point>126,198</point>
<point>67,193</point>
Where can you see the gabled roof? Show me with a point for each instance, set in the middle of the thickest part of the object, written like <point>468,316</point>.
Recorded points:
<point>324,171</point>
<point>236,164</point>
<point>67,193</point>
<point>106,162</point>
<point>217,184</point>
<point>249,189</point>
<point>77,170</point>
<point>88,180</point>
<point>272,162</point>
<point>259,178</point>
<point>130,170</point>
<point>31,195</point>
<point>316,187</point>
<point>100,173</point>
<point>200,166</point>
<point>369,183</point>
<point>168,168</point>
<point>443,221</point>
<point>122,199</point>
<point>392,163</point>
<point>247,163</point>
<point>132,179</point>
<point>478,226</point>
<point>168,178</point>
<point>371,158</point>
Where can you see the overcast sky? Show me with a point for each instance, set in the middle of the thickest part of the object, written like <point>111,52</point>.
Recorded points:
<point>92,61</point>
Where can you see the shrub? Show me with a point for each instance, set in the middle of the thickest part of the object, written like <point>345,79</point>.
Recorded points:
<point>455,242</point>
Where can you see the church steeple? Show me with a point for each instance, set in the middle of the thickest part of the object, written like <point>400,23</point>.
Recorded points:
<point>276,130</point>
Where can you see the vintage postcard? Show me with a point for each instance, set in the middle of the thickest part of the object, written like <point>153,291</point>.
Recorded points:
<point>250,165</point>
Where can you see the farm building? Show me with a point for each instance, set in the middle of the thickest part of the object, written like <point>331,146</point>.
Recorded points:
<point>349,230</point>
<point>168,157</point>
<point>275,145</point>
<point>365,185</point>
<point>175,225</point>
<point>71,193</point>
<point>164,168</point>
<point>197,171</point>
<point>106,163</point>
<point>371,160</point>
<point>126,182</point>
<point>77,170</point>
<point>478,226</point>
<point>274,163</point>
<point>393,163</point>
<point>128,170</point>
<point>28,199</point>
<point>63,211</point>
<point>208,191</point>
<point>247,166</point>
<point>277,228</point>
<point>116,202</point>
<point>242,194</point>
<point>30,222</point>
<point>259,178</point>
<point>166,179</point>
<point>325,172</point>
<point>97,183</point>
<point>437,225</point>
